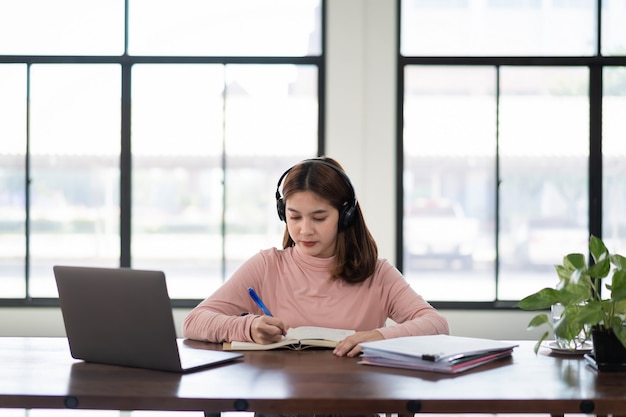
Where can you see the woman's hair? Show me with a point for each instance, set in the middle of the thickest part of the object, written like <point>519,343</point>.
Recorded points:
<point>356,252</point>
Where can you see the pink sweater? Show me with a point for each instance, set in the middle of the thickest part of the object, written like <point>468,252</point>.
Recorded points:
<point>297,289</point>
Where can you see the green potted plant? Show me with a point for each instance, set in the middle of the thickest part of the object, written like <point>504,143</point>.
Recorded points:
<point>580,292</point>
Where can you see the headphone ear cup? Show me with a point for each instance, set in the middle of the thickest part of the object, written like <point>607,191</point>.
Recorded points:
<point>280,208</point>
<point>347,216</point>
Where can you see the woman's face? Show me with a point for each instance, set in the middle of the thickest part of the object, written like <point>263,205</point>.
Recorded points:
<point>312,223</point>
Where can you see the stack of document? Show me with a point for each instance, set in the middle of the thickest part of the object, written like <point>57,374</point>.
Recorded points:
<point>438,353</point>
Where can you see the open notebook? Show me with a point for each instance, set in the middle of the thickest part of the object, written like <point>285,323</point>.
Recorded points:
<point>298,338</point>
<point>124,317</point>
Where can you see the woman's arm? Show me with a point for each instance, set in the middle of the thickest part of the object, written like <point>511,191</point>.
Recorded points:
<point>222,316</point>
<point>413,316</point>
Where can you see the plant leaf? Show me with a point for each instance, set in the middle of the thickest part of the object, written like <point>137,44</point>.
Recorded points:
<point>563,273</point>
<point>619,261</point>
<point>540,300</point>
<point>618,285</point>
<point>538,320</point>
<point>620,307</point>
<point>540,341</point>
<point>588,314</point>
<point>598,250</point>
<point>574,261</point>
<point>620,331</point>
<point>575,293</point>
<point>600,269</point>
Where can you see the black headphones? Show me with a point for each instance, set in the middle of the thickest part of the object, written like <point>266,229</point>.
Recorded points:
<point>346,214</point>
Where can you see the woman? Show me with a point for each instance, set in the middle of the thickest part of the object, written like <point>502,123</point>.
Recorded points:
<point>328,274</point>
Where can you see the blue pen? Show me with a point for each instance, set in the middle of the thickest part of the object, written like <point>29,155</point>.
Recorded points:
<point>255,297</point>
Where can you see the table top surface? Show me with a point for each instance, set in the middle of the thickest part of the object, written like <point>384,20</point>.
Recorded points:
<point>40,373</point>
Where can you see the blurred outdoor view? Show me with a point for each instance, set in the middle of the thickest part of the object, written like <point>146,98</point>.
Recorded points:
<point>464,124</point>
<point>208,141</point>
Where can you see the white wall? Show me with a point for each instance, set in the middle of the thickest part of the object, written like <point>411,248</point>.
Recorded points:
<point>511,325</point>
<point>46,321</point>
<point>360,116</point>
<point>360,133</point>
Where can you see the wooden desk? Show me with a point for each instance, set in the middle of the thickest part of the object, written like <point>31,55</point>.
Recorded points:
<point>40,373</point>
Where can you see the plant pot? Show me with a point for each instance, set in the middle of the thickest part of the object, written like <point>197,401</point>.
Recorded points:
<point>607,349</point>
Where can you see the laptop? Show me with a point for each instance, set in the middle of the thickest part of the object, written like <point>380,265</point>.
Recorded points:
<point>123,316</point>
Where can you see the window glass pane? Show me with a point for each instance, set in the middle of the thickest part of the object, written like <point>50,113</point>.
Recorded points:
<point>449,178</point>
<point>225,28</point>
<point>498,28</point>
<point>75,147</point>
<point>271,123</point>
<point>613,27</point>
<point>614,159</point>
<point>61,27</point>
<point>177,140</point>
<point>544,151</point>
<point>12,180</point>
<point>183,221</point>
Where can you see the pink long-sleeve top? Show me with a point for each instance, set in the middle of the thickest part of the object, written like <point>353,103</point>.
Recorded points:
<point>298,289</point>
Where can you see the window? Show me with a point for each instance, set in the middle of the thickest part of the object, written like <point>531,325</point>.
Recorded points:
<point>614,156</point>
<point>510,111</point>
<point>153,144</point>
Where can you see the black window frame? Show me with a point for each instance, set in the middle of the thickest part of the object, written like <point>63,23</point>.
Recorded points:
<point>126,63</point>
<point>595,65</point>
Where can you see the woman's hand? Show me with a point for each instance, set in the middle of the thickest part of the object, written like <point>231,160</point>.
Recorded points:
<point>267,329</point>
<point>350,345</point>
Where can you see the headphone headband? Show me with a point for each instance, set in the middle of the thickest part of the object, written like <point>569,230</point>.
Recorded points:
<point>346,213</point>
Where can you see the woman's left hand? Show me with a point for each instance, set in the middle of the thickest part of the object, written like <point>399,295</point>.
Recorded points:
<point>350,345</point>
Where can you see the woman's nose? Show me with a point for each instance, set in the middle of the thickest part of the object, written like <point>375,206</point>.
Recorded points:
<point>306,227</point>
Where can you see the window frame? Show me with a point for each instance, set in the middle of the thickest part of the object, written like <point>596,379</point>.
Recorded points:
<point>126,62</point>
<point>595,64</point>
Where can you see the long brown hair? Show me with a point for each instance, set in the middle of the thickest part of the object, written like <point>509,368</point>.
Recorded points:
<point>356,252</point>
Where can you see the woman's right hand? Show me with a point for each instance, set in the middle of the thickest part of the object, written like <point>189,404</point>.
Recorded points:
<point>267,329</point>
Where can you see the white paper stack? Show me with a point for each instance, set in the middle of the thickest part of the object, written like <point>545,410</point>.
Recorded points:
<point>437,353</point>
